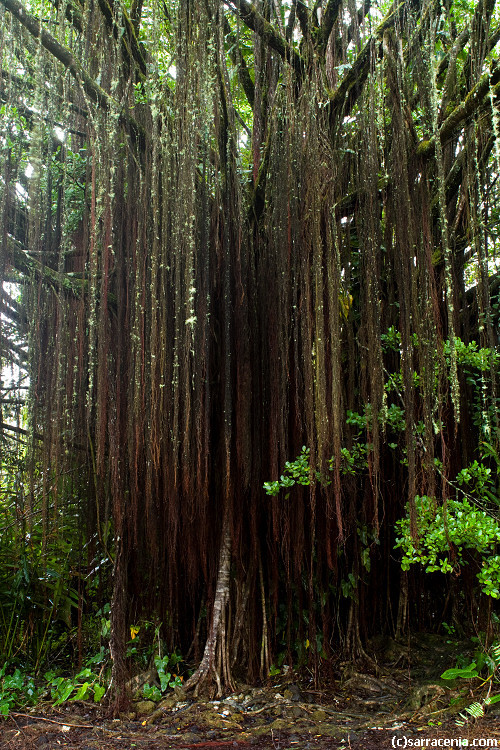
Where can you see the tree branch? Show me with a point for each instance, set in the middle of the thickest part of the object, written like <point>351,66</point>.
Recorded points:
<point>72,13</point>
<point>71,283</point>
<point>302,12</point>
<point>27,265</point>
<point>19,430</point>
<point>59,51</point>
<point>330,15</point>
<point>451,64</point>
<point>8,347</point>
<point>473,101</point>
<point>291,22</point>
<point>65,56</point>
<point>255,21</point>
<point>11,314</point>
<point>31,114</point>
<point>343,99</point>
<point>135,14</point>
<point>129,42</point>
<point>356,22</point>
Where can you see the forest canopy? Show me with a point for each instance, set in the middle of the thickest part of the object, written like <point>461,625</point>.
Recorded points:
<point>249,324</point>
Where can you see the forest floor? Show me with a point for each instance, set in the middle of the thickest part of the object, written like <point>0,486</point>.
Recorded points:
<point>401,703</point>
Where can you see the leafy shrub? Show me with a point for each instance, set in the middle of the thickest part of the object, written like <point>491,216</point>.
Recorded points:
<point>164,665</point>
<point>460,524</point>
<point>79,688</point>
<point>16,690</point>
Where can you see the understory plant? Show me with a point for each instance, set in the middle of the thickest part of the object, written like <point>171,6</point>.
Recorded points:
<point>16,690</point>
<point>486,668</point>
<point>19,688</point>
<point>49,583</point>
<point>83,686</point>
<point>167,678</point>
<point>449,536</point>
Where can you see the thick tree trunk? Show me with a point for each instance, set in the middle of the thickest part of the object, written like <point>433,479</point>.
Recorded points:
<point>217,636</point>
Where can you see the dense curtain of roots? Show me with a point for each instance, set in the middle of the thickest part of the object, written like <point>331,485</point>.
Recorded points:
<point>199,322</point>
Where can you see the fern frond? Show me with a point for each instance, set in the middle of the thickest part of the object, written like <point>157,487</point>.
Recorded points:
<point>495,653</point>
<point>475,710</point>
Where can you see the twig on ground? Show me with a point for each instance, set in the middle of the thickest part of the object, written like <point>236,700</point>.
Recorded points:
<point>51,721</point>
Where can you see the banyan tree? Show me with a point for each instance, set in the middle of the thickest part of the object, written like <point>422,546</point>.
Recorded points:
<point>244,241</point>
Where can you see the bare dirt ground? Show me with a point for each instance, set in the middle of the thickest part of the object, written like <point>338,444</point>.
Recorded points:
<point>23,733</point>
<point>401,703</point>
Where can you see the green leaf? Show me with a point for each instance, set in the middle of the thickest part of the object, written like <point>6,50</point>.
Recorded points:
<point>491,700</point>
<point>467,673</point>
<point>84,674</point>
<point>65,694</point>
<point>164,680</point>
<point>82,692</point>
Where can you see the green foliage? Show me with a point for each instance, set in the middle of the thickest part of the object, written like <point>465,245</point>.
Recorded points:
<point>395,418</point>
<point>299,472</point>
<point>74,169</point>
<point>81,687</point>
<point>478,479</point>
<point>44,576</point>
<point>485,661</point>
<point>15,128</point>
<point>466,673</point>
<point>467,529</point>
<point>295,472</point>
<point>474,711</point>
<point>168,679</point>
<point>16,690</point>
<point>446,533</point>
<point>472,356</point>
<point>354,457</point>
<point>477,364</point>
<point>348,586</point>
<point>145,643</point>
<point>164,666</point>
<point>36,597</point>
<point>89,683</point>
<point>391,340</point>
<point>151,692</point>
